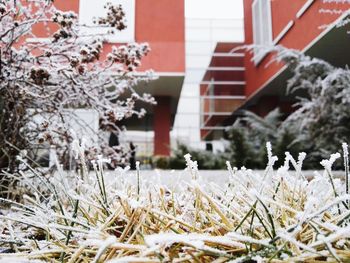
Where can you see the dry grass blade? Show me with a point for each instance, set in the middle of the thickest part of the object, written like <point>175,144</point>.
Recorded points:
<point>256,218</point>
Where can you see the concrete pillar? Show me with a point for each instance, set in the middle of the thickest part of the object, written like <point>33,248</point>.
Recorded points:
<point>161,124</point>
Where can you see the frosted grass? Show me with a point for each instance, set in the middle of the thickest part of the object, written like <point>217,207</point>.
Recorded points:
<point>273,215</point>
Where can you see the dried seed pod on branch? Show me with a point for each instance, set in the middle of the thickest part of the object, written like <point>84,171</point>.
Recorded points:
<point>44,79</point>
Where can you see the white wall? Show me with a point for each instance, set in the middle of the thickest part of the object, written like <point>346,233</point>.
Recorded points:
<point>207,22</point>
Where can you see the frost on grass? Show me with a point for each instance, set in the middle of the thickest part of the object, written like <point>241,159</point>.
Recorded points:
<point>274,215</point>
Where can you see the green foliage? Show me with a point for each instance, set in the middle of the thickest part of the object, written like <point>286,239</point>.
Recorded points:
<point>249,134</point>
<point>206,160</point>
<point>161,162</point>
<point>242,152</point>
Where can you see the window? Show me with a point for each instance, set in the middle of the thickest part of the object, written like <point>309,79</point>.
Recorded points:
<point>262,28</point>
<point>90,9</point>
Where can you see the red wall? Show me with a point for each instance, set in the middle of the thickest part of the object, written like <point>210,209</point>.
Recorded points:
<point>284,11</point>
<point>161,23</point>
<point>162,124</point>
<point>305,29</point>
<point>45,30</point>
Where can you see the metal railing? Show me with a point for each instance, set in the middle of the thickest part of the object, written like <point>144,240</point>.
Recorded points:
<point>202,36</point>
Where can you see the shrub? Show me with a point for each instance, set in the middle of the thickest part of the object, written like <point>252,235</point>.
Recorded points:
<point>41,82</point>
<point>322,116</point>
<point>206,160</point>
<point>251,131</point>
<point>161,162</point>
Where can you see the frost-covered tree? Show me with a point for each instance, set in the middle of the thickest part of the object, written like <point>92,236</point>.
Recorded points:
<point>319,124</point>
<point>322,116</point>
<point>41,81</point>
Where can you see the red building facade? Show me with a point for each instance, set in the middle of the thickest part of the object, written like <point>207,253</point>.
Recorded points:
<point>310,26</point>
<point>162,25</point>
